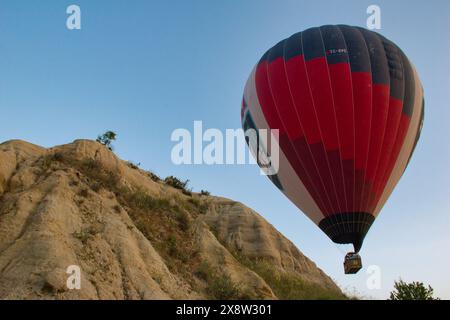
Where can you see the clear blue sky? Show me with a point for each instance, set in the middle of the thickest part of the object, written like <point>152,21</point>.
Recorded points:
<point>145,68</point>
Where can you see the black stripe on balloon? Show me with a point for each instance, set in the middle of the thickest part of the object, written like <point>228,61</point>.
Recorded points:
<point>357,49</point>
<point>312,44</point>
<point>410,86</point>
<point>244,107</point>
<point>276,181</point>
<point>334,42</point>
<point>264,57</point>
<point>293,46</point>
<point>395,65</point>
<point>378,60</point>
<point>350,227</point>
<point>247,124</point>
<point>418,132</point>
<point>276,52</point>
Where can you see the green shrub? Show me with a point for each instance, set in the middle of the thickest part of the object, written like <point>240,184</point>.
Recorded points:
<point>205,193</point>
<point>46,162</point>
<point>411,291</point>
<point>58,156</point>
<point>183,220</point>
<point>222,288</point>
<point>97,176</point>
<point>176,183</point>
<point>107,138</point>
<point>153,176</point>
<point>204,207</point>
<point>194,201</point>
<point>288,285</point>
<point>82,235</point>
<point>187,192</point>
<point>204,271</point>
<point>200,205</point>
<point>133,165</point>
<point>172,245</point>
<point>49,159</point>
<point>142,200</point>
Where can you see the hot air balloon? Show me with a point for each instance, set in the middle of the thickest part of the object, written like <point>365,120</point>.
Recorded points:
<point>349,108</point>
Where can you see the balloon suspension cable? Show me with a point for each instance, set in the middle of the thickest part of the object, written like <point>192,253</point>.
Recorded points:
<point>342,248</point>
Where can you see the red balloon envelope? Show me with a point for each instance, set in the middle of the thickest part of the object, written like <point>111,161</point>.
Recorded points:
<point>349,108</point>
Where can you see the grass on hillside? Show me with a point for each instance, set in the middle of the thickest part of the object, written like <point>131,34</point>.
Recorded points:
<point>167,223</point>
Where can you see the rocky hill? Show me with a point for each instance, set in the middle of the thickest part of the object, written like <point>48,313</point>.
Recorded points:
<point>133,235</point>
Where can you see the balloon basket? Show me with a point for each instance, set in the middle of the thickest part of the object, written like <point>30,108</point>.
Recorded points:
<point>352,263</point>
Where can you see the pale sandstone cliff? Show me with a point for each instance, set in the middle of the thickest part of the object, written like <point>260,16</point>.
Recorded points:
<point>133,236</point>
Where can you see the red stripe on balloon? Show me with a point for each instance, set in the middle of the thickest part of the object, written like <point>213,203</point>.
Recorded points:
<point>305,174</point>
<point>319,85</point>
<point>362,100</point>
<point>390,135</point>
<point>282,100</point>
<point>296,75</point>
<point>401,134</point>
<point>282,96</point>
<point>340,76</point>
<point>314,160</point>
<point>380,107</point>
<point>265,98</point>
<point>330,164</point>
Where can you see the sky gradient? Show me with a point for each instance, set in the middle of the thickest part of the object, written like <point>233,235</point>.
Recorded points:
<point>146,68</point>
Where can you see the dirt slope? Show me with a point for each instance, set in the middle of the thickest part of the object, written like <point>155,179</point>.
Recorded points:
<point>134,236</point>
